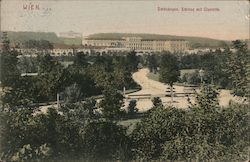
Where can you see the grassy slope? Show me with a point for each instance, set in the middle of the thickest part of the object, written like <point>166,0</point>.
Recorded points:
<point>71,41</point>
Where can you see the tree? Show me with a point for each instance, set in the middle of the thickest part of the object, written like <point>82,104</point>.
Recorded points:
<point>17,90</point>
<point>132,61</point>
<point>207,99</point>
<point>45,64</point>
<point>238,69</point>
<point>81,112</point>
<point>205,132</point>
<point>9,72</point>
<point>132,107</point>
<point>157,102</point>
<point>52,78</point>
<point>22,93</point>
<point>191,61</point>
<point>27,64</point>
<point>41,45</point>
<point>72,94</point>
<point>111,103</point>
<point>106,141</point>
<point>191,78</point>
<point>84,76</point>
<point>169,70</point>
<point>152,63</point>
<point>209,64</point>
<point>20,135</point>
<point>122,78</point>
<point>160,126</point>
<point>80,60</point>
<point>214,64</point>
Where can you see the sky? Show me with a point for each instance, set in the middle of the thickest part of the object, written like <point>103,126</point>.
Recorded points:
<point>227,20</point>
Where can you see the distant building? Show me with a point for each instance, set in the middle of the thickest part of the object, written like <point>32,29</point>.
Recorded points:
<point>62,50</point>
<point>69,50</point>
<point>70,34</point>
<point>139,44</point>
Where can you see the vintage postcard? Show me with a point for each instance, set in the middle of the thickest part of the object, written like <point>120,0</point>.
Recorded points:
<point>124,80</point>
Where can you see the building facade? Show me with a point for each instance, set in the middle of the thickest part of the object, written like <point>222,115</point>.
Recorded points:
<point>139,44</point>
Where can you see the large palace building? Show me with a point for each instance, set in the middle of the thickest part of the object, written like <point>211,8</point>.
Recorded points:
<point>139,44</point>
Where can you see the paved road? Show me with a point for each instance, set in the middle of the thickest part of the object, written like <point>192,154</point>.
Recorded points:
<point>157,88</point>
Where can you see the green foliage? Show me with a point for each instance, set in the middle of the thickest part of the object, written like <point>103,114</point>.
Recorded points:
<point>16,90</point>
<point>85,81</point>
<point>38,44</point>
<point>27,153</point>
<point>116,71</point>
<point>73,133</point>
<point>161,125</point>
<point>152,63</point>
<point>80,130</point>
<point>72,94</point>
<point>22,136</point>
<point>191,78</point>
<point>132,61</point>
<point>207,98</point>
<point>213,63</point>
<point>132,107</point>
<point>111,104</point>
<point>81,113</point>
<point>9,72</point>
<point>46,64</point>
<point>106,141</point>
<point>191,61</point>
<point>52,78</point>
<point>21,37</point>
<point>219,66</point>
<point>22,93</point>
<point>202,133</point>
<point>238,69</point>
<point>122,78</point>
<point>80,60</point>
<point>169,70</point>
<point>157,102</point>
<point>27,64</point>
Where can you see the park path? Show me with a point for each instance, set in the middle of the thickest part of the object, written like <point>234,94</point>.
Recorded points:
<point>156,88</point>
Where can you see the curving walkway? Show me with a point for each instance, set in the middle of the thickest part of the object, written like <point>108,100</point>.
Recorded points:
<point>156,88</point>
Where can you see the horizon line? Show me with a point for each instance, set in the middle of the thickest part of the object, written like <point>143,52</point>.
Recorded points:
<point>84,36</point>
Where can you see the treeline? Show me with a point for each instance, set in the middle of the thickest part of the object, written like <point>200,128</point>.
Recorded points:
<point>83,78</point>
<point>79,132</point>
<point>91,131</point>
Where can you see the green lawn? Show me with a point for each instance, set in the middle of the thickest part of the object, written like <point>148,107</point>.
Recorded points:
<point>156,76</point>
<point>187,71</point>
<point>130,124</point>
<point>153,76</point>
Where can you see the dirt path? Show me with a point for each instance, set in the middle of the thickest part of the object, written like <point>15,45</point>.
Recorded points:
<point>156,88</point>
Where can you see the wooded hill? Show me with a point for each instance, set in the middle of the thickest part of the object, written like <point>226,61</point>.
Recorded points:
<point>22,37</point>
